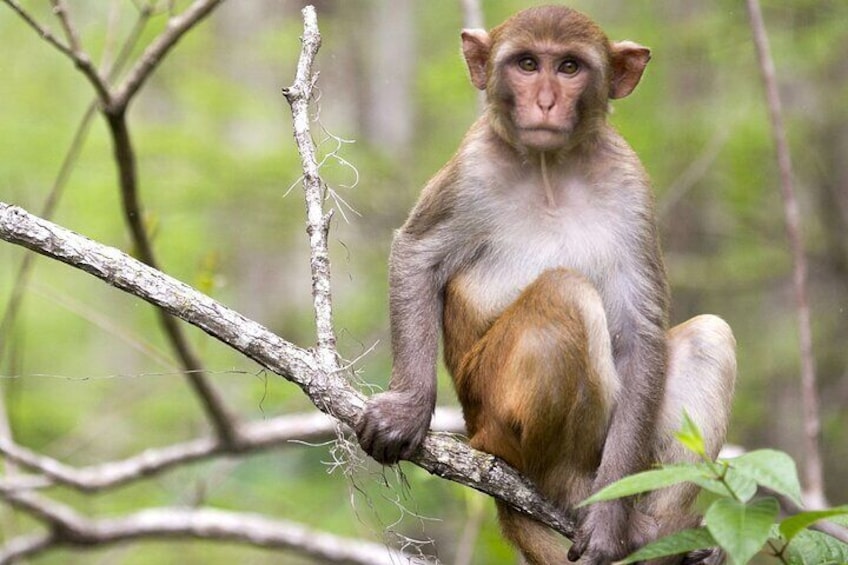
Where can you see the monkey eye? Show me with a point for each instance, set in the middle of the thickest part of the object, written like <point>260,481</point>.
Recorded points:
<point>528,64</point>
<point>569,67</point>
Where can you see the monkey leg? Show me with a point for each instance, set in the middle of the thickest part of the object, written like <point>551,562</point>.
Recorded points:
<point>537,390</point>
<point>701,377</point>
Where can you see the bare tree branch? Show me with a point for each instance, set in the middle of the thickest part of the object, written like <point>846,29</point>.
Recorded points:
<point>216,410</point>
<point>156,51</point>
<point>61,11</point>
<point>211,401</point>
<point>318,224</point>
<point>441,455</point>
<point>79,57</point>
<point>317,371</point>
<point>70,528</point>
<point>115,112</point>
<point>277,432</point>
<point>813,469</point>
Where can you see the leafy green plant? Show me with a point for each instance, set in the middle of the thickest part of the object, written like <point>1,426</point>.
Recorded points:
<point>735,518</point>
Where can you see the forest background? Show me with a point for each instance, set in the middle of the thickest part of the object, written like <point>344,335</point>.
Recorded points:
<point>86,375</point>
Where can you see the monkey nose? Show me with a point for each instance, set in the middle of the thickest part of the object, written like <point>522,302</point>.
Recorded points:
<point>546,103</point>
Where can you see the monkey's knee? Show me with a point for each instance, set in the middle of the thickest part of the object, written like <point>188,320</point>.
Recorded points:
<point>559,372</point>
<point>701,377</point>
<point>708,338</point>
<point>576,309</point>
<point>704,349</point>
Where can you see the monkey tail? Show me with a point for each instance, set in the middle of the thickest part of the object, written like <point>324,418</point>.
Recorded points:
<point>539,545</point>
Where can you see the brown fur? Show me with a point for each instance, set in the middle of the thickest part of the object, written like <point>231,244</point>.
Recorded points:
<point>537,250</point>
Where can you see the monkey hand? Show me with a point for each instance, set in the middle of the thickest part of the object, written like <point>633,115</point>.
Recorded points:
<point>393,425</point>
<point>603,537</point>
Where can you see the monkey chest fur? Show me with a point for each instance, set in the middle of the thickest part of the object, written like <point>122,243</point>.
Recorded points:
<point>523,236</point>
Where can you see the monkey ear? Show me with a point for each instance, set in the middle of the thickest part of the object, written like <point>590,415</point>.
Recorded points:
<point>629,60</point>
<point>475,46</point>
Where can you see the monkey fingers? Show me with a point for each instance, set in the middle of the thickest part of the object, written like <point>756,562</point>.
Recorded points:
<point>390,428</point>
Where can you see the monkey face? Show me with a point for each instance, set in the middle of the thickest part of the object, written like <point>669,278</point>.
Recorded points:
<point>541,89</point>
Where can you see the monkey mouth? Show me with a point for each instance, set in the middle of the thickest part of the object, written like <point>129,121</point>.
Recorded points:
<point>544,129</point>
<point>543,138</point>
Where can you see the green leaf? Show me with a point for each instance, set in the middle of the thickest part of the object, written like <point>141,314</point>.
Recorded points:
<point>647,481</point>
<point>816,548</point>
<point>690,436</point>
<point>680,542</point>
<point>704,500</point>
<point>791,526</point>
<point>741,529</point>
<point>734,485</point>
<point>772,469</point>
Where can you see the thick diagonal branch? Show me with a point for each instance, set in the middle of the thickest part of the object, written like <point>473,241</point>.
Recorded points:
<point>441,454</point>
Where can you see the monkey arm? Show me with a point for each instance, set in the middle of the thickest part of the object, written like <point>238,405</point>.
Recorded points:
<point>640,351</point>
<point>641,360</point>
<point>394,423</point>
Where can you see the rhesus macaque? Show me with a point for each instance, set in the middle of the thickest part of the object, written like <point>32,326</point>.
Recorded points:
<point>536,248</point>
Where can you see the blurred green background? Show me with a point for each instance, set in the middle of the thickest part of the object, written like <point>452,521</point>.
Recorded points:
<point>85,372</point>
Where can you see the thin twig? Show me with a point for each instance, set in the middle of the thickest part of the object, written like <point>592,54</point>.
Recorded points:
<point>696,171</point>
<point>210,399</point>
<point>115,110</point>
<point>71,35</point>
<point>74,52</point>
<point>42,31</point>
<point>299,95</point>
<point>21,280</point>
<point>813,469</point>
<point>22,277</point>
<point>106,323</point>
<point>156,51</point>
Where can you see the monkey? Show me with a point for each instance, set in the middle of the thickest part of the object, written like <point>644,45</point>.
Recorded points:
<point>535,250</point>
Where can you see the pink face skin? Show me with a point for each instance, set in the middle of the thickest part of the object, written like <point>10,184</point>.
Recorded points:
<point>545,94</point>
<point>547,86</point>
